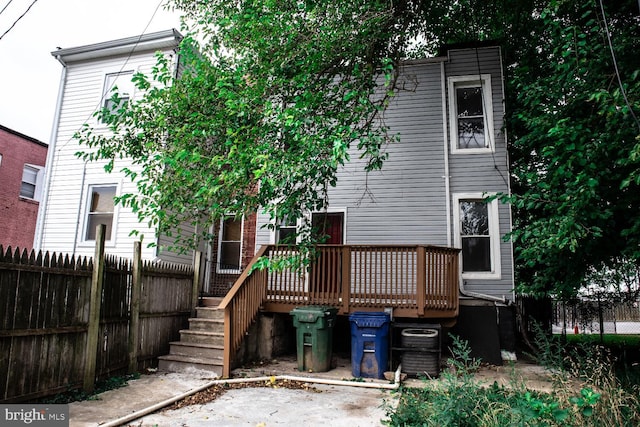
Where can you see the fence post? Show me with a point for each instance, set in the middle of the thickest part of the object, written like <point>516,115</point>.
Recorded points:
<point>134,322</point>
<point>197,260</point>
<point>95,297</point>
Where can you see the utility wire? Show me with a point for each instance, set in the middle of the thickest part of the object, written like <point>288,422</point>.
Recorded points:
<point>7,5</point>
<point>19,18</point>
<point>615,65</point>
<point>126,61</point>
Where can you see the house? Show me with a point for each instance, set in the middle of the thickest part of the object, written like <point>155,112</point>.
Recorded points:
<point>79,195</point>
<point>416,239</point>
<point>22,161</point>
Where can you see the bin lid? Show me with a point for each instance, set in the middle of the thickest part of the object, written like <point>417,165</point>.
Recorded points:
<point>365,319</point>
<point>311,313</point>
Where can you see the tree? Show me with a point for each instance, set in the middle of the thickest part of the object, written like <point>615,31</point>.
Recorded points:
<point>277,92</point>
<point>575,135</point>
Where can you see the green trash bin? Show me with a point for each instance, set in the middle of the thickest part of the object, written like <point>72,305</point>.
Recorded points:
<point>314,336</point>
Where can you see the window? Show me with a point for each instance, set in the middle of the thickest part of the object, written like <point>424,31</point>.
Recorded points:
<point>471,114</point>
<point>100,210</point>
<point>478,235</point>
<point>30,186</point>
<point>124,86</point>
<point>286,232</point>
<point>230,245</point>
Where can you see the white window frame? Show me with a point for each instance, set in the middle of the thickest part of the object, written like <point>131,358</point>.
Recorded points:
<point>37,190</point>
<point>494,235</point>
<point>87,213</point>
<point>220,270</point>
<point>308,217</point>
<point>112,79</point>
<point>484,81</point>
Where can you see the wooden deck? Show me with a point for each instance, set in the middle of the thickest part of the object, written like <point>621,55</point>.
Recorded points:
<point>413,281</point>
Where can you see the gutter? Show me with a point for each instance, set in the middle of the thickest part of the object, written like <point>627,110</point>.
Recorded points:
<point>154,408</point>
<point>42,209</point>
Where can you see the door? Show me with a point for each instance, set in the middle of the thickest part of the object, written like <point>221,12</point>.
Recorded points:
<point>326,272</point>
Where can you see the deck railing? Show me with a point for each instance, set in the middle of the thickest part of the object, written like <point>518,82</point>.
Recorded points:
<point>414,281</point>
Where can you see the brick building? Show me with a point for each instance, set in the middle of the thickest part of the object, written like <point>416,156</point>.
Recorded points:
<point>22,161</point>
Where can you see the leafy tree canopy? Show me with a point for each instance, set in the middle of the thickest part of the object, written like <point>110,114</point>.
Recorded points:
<point>275,93</point>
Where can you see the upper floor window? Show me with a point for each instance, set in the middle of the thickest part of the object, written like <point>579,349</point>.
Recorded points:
<point>30,185</point>
<point>124,86</point>
<point>471,114</point>
<point>100,210</point>
<point>478,234</point>
<point>230,245</point>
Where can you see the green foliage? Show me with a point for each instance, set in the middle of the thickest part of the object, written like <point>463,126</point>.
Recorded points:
<point>261,118</point>
<point>458,399</point>
<point>276,93</point>
<point>574,135</point>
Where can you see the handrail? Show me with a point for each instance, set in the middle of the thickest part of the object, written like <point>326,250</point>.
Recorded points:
<point>241,305</point>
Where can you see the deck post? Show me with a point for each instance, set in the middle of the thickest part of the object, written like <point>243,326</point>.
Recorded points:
<point>421,279</point>
<point>228,339</point>
<point>346,279</point>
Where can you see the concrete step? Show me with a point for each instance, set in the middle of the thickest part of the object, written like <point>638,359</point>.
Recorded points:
<point>209,313</point>
<point>210,301</point>
<point>181,363</point>
<point>207,325</point>
<point>208,351</point>
<point>202,337</point>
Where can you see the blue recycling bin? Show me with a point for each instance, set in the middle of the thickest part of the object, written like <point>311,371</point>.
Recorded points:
<point>369,344</point>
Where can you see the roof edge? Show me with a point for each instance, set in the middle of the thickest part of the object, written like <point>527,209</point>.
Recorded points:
<point>141,42</point>
<point>23,136</point>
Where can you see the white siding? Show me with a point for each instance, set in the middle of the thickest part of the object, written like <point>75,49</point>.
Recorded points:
<point>63,222</point>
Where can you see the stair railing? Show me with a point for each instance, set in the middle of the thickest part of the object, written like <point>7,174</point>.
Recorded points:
<point>241,306</point>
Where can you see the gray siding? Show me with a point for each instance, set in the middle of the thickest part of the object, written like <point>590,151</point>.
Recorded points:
<point>406,202</point>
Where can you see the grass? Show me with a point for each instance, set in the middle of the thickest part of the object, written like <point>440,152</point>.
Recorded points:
<point>608,340</point>
<point>586,392</point>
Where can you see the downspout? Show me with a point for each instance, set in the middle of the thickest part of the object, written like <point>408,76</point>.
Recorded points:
<point>447,177</point>
<point>42,209</point>
<point>506,138</point>
<point>447,189</point>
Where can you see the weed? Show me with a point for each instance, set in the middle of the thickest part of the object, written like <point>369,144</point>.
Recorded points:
<point>77,395</point>
<point>585,393</point>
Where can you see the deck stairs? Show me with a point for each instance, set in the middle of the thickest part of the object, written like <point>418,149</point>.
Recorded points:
<point>201,346</point>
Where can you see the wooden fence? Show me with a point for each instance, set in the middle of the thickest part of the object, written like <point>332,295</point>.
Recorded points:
<point>65,321</point>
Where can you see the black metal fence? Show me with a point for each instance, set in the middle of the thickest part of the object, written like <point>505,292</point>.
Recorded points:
<point>596,316</point>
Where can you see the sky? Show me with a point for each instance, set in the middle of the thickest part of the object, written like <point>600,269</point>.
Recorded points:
<point>30,76</point>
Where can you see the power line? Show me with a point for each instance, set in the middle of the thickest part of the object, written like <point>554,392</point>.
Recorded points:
<point>19,18</point>
<point>7,5</point>
<point>126,61</point>
<point>615,65</point>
